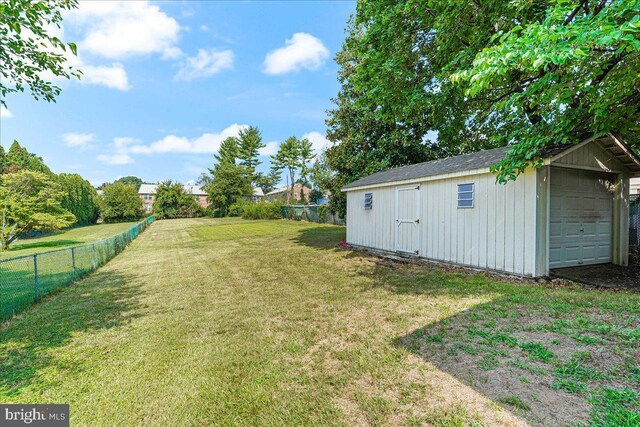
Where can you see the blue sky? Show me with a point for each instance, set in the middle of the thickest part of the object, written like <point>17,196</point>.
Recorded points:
<point>165,82</point>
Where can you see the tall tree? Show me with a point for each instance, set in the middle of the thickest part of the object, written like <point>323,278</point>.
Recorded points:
<point>306,156</point>
<point>230,182</point>
<point>30,201</point>
<point>30,47</point>
<point>18,158</point>
<point>79,198</point>
<point>228,152</point>
<point>121,203</point>
<point>3,161</point>
<point>294,154</point>
<point>249,145</point>
<point>321,175</point>
<point>268,182</point>
<point>570,74</point>
<point>130,180</point>
<point>397,104</point>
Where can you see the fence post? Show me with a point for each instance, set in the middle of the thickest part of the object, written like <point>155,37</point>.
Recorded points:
<point>93,256</point>
<point>73,262</point>
<point>35,275</point>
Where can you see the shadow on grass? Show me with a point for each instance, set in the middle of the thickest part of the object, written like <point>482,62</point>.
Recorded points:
<point>49,245</point>
<point>102,301</point>
<point>321,237</point>
<point>516,343</point>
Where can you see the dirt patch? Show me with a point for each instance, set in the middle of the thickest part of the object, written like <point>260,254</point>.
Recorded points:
<point>603,275</point>
<point>536,365</point>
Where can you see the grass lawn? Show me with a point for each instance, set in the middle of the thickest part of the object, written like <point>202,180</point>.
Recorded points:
<point>232,322</point>
<point>61,239</point>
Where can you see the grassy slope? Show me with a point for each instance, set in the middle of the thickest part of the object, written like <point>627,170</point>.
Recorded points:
<point>230,322</point>
<point>61,239</point>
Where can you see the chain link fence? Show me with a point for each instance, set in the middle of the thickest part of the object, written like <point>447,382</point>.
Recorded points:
<point>311,213</point>
<point>26,279</point>
<point>634,222</point>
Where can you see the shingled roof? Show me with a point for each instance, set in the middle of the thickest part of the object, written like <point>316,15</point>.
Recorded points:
<point>465,162</point>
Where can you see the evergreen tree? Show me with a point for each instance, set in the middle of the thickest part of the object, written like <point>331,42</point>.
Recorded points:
<point>228,152</point>
<point>269,182</point>
<point>80,198</point>
<point>249,145</point>
<point>3,161</point>
<point>18,159</point>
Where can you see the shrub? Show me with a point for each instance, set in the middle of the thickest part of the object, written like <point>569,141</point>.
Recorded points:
<point>262,211</point>
<point>237,208</point>
<point>121,203</point>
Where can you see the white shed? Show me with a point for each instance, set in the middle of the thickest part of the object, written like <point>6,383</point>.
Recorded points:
<point>574,210</point>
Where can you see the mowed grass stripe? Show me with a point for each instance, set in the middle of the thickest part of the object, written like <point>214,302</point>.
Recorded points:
<point>232,322</point>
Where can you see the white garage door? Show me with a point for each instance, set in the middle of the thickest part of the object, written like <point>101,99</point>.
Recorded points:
<point>581,222</point>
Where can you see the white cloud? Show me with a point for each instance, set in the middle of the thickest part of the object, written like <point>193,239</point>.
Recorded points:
<point>301,51</point>
<point>115,159</point>
<point>78,140</point>
<point>205,63</point>
<point>114,76</point>
<point>5,113</point>
<point>119,154</point>
<point>318,141</point>
<point>269,149</point>
<point>207,143</point>
<point>121,29</point>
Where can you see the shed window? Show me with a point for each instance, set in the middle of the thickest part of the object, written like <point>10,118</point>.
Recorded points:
<point>368,200</point>
<point>466,195</point>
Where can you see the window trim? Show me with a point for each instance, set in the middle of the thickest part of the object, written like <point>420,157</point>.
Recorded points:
<point>472,199</point>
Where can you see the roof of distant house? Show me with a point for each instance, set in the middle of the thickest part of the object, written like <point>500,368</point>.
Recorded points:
<point>191,189</point>
<point>283,189</point>
<point>258,192</point>
<point>147,188</point>
<point>196,190</point>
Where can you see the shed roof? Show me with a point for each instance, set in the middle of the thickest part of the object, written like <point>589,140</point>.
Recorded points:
<point>480,160</point>
<point>477,160</point>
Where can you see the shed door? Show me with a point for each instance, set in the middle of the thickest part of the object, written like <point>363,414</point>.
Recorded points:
<point>581,218</point>
<point>408,219</point>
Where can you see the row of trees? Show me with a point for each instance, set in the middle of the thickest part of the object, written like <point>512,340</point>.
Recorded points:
<point>32,198</point>
<point>234,177</point>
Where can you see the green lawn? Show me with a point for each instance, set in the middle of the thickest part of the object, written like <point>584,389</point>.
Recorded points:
<point>231,322</point>
<point>61,239</point>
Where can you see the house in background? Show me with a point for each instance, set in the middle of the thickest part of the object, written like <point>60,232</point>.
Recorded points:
<point>147,193</point>
<point>199,193</point>
<point>572,211</point>
<point>635,186</point>
<point>284,193</point>
<point>258,194</point>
